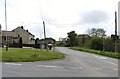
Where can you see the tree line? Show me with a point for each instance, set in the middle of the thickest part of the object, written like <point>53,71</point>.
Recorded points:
<point>94,39</point>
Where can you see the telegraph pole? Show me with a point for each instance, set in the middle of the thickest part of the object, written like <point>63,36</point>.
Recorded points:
<point>104,43</point>
<point>6,26</point>
<point>44,34</point>
<point>115,31</point>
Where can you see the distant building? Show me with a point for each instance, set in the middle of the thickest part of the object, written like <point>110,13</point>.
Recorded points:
<point>42,42</point>
<point>27,37</point>
<point>119,18</point>
<point>13,36</point>
<point>63,39</point>
<point>47,41</point>
<point>83,36</point>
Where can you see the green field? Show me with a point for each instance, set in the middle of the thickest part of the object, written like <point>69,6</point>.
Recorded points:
<point>29,55</point>
<point>108,54</point>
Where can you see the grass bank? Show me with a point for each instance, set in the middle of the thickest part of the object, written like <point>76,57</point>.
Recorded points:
<point>29,55</point>
<point>109,54</point>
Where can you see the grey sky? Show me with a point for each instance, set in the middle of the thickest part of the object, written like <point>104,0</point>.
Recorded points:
<point>94,17</point>
<point>60,16</point>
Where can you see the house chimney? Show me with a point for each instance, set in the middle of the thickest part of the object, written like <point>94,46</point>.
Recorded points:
<point>22,27</point>
<point>27,30</point>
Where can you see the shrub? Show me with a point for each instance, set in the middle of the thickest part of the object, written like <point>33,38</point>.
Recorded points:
<point>96,43</point>
<point>20,42</point>
<point>29,45</point>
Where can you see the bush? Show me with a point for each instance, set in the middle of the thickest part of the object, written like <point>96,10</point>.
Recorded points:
<point>15,45</point>
<point>60,43</point>
<point>20,42</point>
<point>37,45</point>
<point>96,43</point>
<point>109,45</point>
<point>28,45</point>
<point>118,46</point>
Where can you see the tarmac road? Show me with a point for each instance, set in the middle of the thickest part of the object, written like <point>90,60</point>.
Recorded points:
<point>76,64</point>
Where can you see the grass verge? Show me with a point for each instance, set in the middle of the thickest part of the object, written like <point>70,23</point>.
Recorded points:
<point>29,55</point>
<point>108,54</point>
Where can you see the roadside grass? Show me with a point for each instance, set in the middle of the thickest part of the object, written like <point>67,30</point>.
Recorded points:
<point>108,54</point>
<point>29,55</point>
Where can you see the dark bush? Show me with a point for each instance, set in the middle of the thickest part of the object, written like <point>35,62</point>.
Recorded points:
<point>15,45</point>
<point>109,45</point>
<point>37,45</point>
<point>96,43</point>
<point>118,46</point>
<point>20,42</point>
<point>28,45</point>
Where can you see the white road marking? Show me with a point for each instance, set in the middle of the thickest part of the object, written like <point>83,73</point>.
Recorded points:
<point>93,68</point>
<point>98,68</point>
<point>100,57</point>
<point>111,63</point>
<point>102,68</point>
<point>115,69</point>
<point>76,68</point>
<point>105,60</point>
<point>95,55</point>
<point>13,64</point>
<point>50,66</point>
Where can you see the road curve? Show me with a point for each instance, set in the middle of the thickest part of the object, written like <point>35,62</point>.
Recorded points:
<point>76,64</point>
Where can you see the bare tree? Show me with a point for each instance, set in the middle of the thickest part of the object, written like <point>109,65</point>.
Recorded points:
<point>96,32</point>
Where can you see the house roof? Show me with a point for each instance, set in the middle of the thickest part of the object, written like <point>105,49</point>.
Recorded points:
<point>23,29</point>
<point>9,33</point>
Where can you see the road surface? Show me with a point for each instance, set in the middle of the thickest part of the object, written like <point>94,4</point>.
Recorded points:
<point>76,64</point>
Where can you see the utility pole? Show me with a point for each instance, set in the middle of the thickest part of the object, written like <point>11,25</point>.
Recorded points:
<point>103,43</point>
<point>6,26</point>
<point>44,34</point>
<point>115,31</point>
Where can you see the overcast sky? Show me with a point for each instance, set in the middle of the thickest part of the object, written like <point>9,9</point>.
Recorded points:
<point>60,16</point>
